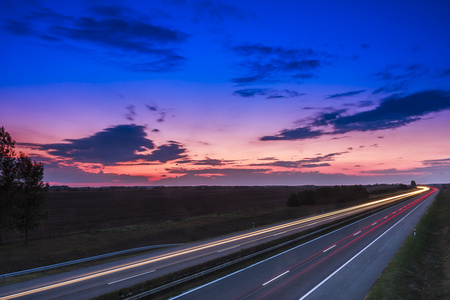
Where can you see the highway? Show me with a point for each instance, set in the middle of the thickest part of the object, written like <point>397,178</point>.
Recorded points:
<point>343,264</point>
<point>96,280</point>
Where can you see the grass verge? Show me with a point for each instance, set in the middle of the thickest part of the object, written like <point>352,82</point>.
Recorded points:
<point>421,268</point>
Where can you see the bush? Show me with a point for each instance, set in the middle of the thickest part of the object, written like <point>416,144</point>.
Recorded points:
<point>293,201</point>
<point>328,195</point>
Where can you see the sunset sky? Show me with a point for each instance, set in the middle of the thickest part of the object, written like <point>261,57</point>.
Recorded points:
<point>202,92</point>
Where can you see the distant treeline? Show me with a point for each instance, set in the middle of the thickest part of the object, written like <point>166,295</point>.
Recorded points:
<point>394,188</point>
<point>328,195</point>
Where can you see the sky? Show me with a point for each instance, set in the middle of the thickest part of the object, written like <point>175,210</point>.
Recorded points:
<point>203,92</point>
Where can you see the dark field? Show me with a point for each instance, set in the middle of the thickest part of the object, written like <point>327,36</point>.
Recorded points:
<point>81,210</point>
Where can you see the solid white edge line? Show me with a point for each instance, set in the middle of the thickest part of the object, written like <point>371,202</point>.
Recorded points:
<point>131,277</point>
<point>262,261</point>
<point>275,278</point>
<point>341,267</point>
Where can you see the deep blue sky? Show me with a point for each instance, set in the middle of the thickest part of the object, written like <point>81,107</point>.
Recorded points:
<point>228,92</point>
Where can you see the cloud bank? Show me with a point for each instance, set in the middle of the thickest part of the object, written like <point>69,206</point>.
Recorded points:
<point>393,112</point>
<point>118,144</point>
<point>112,34</point>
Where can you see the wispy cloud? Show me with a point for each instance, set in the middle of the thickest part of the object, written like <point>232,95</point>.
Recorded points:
<point>161,112</point>
<point>392,171</point>
<point>112,34</point>
<point>399,77</point>
<point>444,73</point>
<point>351,93</point>
<point>254,176</point>
<point>217,10</point>
<point>393,112</point>
<point>309,162</point>
<point>269,93</point>
<point>301,133</point>
<point>131,112</point>
<point>437,162</point>
<point>214,11</point>
<point>365,103</point>
<point>266,64</point>
<point>62,174</point>
<point>206,162</point>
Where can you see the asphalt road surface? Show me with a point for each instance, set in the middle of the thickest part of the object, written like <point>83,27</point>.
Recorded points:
<point>89,282</point>
<point>343,264</point>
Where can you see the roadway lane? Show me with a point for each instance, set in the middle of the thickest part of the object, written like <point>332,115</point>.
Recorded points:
<point>343,264</point>
<point>96,280</point>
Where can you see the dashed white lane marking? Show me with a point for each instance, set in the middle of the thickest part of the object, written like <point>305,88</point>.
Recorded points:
<point>279,233</point>
<point>357,233</point>
<point>131,277</point>
<point>228,249</point>
<point>275,278</point>
<point>374,223</point>
<point>329,248</point>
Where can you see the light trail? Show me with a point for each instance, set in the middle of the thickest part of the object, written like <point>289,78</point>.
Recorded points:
<point>355,256</point>
<point>369,229</point>
<point>303,222</point>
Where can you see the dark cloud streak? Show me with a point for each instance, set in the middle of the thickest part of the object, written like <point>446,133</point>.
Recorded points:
<point>300,133</point>
<point>351,93</point>
<point>399,77</point>
<point>265,64</point>
<point>269,93</point>
<point>311,162</point>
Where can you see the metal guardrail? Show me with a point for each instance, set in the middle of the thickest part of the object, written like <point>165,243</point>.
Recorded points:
<point>79,261</point>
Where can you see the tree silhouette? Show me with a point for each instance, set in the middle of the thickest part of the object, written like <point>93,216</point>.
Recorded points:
<point>7,181</point>
<point>29,204</point>
<point>22,191</point>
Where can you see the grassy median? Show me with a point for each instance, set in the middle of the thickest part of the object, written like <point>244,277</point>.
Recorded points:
<point>421,268</point>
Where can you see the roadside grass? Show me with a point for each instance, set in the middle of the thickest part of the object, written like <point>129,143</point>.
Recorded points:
<point>421,268</point>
